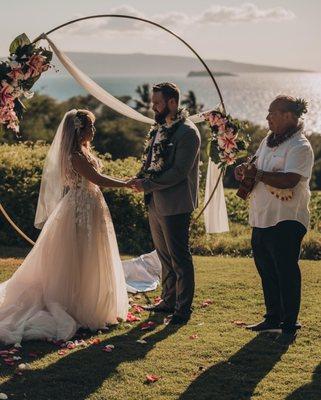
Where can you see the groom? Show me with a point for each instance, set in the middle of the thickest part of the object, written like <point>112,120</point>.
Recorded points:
<point>169,179</point>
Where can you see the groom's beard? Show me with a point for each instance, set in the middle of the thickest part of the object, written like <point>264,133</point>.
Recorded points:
<point>160,118</point>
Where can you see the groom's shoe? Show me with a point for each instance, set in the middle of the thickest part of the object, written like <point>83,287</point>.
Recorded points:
<point>160,307</point>
<point>297,325</point>
<point>265,326</point>
<point>177,319</point>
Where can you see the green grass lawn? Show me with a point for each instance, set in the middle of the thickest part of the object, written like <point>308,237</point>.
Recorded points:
<point>224,361</point>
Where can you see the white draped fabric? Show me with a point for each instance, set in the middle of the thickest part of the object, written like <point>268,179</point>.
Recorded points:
<point>143,273</point>
<point>215,215</point>
<point>102,95</point>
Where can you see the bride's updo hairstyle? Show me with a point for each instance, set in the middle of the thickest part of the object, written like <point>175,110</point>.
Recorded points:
<point>82,120</point>
<point>74,125</point>
<point>297,107</point>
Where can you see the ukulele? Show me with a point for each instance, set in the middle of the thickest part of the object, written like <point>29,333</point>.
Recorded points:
<point>247,184</point>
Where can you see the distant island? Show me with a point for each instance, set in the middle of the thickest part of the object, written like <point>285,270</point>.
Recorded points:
<point>196,74</point>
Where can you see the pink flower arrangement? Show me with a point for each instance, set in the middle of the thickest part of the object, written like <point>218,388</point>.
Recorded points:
<point>17,75</point>
<point>226,144</point>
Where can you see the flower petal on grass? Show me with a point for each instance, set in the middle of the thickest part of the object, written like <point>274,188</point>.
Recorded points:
<point>108,348</point>
<point>206,303</point>
<point>150,378</point>
<point>195,336</point>
<point>239,323</point>
<point>132,318</point>
<point>95,341</point>
<point>141,341</point>
<point>148,325</point>
<point>137,308</point>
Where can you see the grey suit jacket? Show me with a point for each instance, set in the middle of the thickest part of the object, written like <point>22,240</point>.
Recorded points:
<point>175,190</point>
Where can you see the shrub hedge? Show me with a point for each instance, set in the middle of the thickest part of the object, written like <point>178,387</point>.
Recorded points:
<point>20,175</point>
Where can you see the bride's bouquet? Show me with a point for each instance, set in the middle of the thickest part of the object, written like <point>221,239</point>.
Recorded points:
<point>18,74</point>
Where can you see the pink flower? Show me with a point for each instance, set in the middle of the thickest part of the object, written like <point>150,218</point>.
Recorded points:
<point>7,114</point>
<point>16,72</point>
<point>151,378</point>
<point>227,142</point>
<point>36,65</point>
<point>228,158</point>
<point>214,119</point>
<point>6,97</point>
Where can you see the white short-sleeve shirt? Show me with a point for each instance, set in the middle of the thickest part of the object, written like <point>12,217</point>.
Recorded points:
<point>294,155</point>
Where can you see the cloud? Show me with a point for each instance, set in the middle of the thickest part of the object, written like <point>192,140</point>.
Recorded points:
<point>245,13</point>
<point>218,14</point>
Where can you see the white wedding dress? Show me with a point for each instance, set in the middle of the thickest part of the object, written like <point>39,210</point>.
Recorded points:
<point>73,277</point>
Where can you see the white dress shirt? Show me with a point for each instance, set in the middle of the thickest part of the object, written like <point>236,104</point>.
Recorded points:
<point>294,155</point>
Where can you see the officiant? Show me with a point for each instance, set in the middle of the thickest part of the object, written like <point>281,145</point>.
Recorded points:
<point>279,215</point>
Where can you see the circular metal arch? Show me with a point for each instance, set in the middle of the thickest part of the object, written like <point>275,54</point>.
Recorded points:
<point>11,222</point>
<point>151,23</point>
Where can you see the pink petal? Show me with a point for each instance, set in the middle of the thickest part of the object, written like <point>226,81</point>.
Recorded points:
<point>137,308</point>
<point>150,378</point>
<point>108,348</point>
<point>95,341</point>
<point>132,318</point>
<point>239,323</point>
<point>148,325</point>
<point>206,303</point>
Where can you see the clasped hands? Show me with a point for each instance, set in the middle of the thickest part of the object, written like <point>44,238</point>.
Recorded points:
<point>245,171</point>
<point>136,184</point>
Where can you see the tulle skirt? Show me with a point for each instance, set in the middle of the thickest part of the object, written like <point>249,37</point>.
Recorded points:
<point>73,276</point>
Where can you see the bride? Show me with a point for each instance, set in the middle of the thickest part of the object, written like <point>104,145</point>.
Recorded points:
<point>73,276</point>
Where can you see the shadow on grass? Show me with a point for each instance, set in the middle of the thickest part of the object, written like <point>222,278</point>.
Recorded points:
<point>236,378</point>
<point>80,373</point>
<point>310,391</point>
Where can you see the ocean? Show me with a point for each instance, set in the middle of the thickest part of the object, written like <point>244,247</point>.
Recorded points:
<point>246,96</point>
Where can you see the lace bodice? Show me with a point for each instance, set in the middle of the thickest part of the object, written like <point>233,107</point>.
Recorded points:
<point>76,181</point>
<point>84,195</point>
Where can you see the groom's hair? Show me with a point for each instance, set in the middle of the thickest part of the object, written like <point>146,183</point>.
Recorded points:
<point>168,90</point>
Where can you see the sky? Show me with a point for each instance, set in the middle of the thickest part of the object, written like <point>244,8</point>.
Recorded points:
<point>283,33</point>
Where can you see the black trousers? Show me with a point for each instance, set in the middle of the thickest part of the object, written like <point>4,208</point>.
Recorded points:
<point>276,253</point>
<point>171,239</point>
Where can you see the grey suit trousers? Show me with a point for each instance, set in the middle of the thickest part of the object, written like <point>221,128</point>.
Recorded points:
<point>171,239</point>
